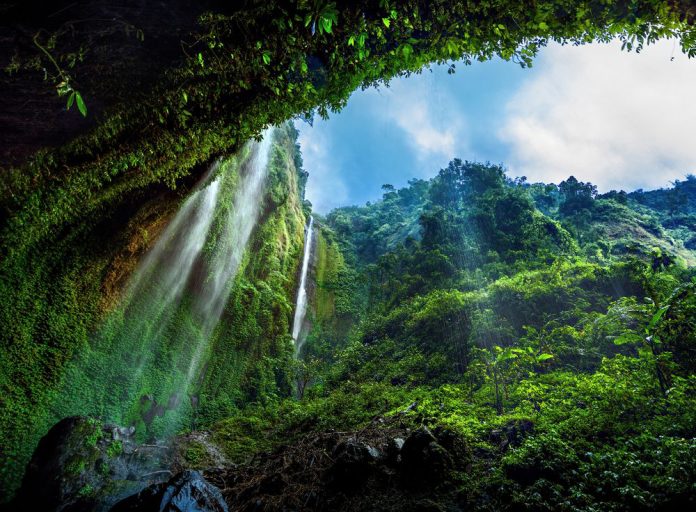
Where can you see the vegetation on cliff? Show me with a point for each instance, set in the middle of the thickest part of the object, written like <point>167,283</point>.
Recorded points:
<point>75,217</point>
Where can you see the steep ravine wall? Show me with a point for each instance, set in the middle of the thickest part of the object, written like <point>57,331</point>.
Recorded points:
<point>334,304</point>
<point>251,357</point>
<point>51,301</point>
<point>78,283</point>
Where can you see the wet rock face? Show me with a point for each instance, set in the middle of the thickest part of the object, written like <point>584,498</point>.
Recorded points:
<point>186,492</point>
<point>81,464</point>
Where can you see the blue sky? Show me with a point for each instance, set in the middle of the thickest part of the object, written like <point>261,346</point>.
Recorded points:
<point>620,120</point>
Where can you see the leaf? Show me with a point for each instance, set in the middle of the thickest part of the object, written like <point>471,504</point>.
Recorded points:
<point>351,40</point>
<point>544,357</point>
<point>543,26</point>
<point>627,338</point>
<point>266,58</point>
<point>326,23</point>
<point>505,356</point>
<point>81,104</point>
<point>657,316</point>
<point>71,100</point>
<point>307,20</point>
<point>386,22</point>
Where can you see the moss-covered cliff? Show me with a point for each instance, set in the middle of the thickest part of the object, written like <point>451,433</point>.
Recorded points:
<point>105,356</point>
<point>335,301</point>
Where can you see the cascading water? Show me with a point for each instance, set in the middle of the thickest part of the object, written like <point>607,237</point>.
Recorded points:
<point>231,245</point>
<point>148,356</point>
<point>301,303</point>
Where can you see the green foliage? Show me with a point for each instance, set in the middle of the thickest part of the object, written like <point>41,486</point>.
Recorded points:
<point>63,209</point>
<point>484,314</point>
<point>71,356</point>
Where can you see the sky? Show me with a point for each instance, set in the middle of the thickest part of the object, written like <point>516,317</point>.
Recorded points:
<point>620,120</point>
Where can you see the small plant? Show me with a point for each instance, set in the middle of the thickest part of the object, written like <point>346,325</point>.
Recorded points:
<point>323,16</point>
<point>64,86</point>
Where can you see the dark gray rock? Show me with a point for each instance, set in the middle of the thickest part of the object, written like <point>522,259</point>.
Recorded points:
<point>424,461</point>
<point>68,467</point>
<point>393,451</point>
<point>352,464</point>
<point>186,492</point>
<point>83,465</point>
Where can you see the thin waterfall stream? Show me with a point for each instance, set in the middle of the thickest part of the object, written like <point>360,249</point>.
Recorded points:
<point>301,303</point>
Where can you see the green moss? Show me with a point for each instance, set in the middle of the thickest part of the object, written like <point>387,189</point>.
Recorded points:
<point>86,491</point>
<point>114,449</point>
<point>76,467</point>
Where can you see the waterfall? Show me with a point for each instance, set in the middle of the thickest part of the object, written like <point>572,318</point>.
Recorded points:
<point>239,221</point>
<point>301,303</point>
<point>147,359</point>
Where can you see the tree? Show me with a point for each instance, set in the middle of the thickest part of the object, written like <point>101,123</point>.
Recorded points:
<point>654,327</point>
<point>504,364</point>
<point>305,371</point>
<point>576,196</point>
<point>676,199</point>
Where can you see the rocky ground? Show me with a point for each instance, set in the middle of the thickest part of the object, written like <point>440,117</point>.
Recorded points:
<point>82,465</point>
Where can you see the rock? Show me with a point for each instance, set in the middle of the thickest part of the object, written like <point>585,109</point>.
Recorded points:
<point>66,468</point>
<point>352,464</point>
<point>423,459</point>
<point>186,492</point>
<point>393,451</point>
<point>374,452</point>
<point>455,445</point>
<point>81,464</point>
<point>122,433</point>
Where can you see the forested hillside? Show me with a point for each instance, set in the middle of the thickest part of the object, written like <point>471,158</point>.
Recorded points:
<point>533,343</point>
<point>471,342</point>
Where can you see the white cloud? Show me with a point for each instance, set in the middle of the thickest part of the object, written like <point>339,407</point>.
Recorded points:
<point>422,111</point>
<point>618,119</point>
<point>325,188</point>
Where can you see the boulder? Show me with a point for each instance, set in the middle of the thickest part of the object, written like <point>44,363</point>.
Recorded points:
<point>81,464</point>
<point>455,446</point>
<point>393,451</point>
<point>424,461</point>
<point>68,467</point>
<point>353,462</point>
<point>186,492</point>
